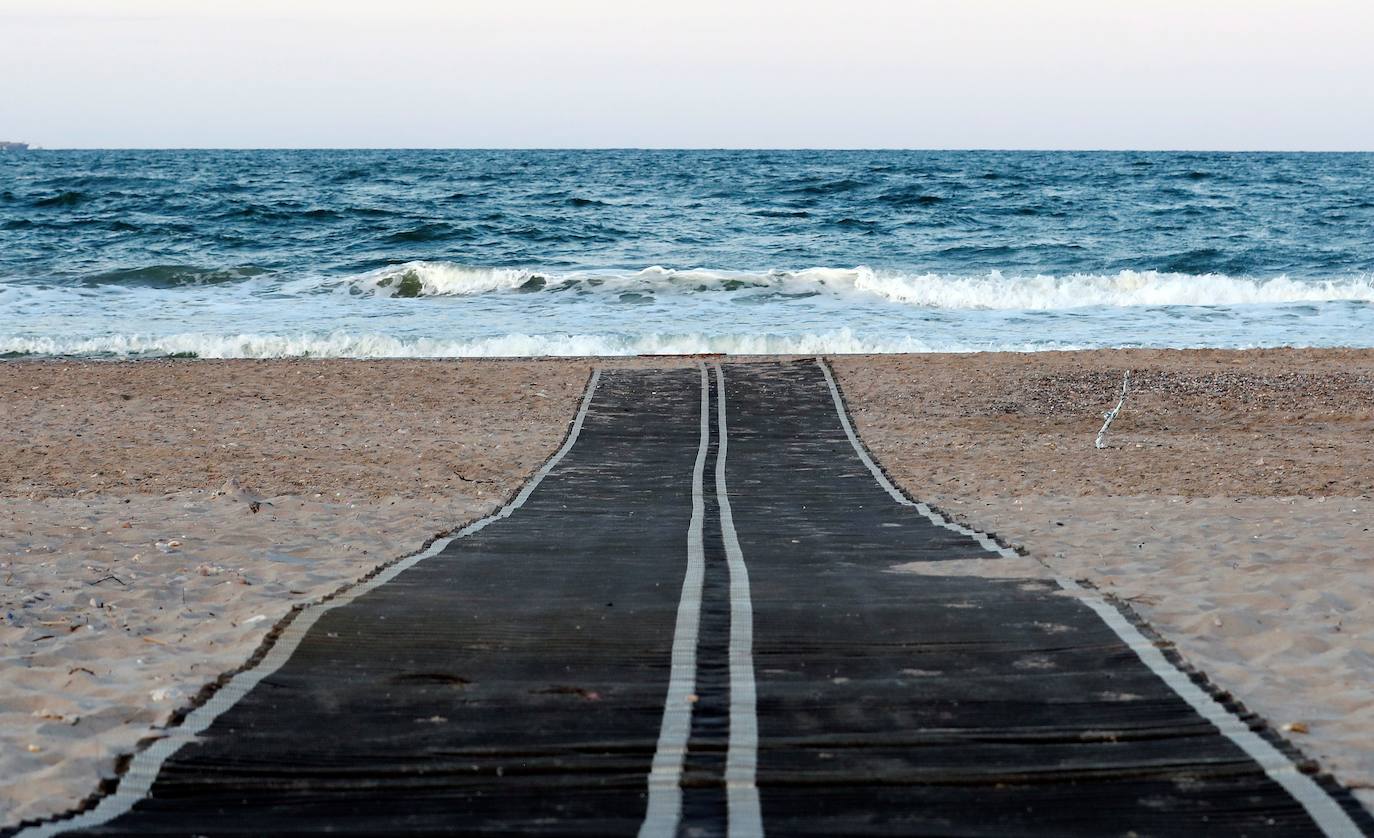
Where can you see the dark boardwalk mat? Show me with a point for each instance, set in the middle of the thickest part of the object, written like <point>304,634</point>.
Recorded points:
<point>903,704</point>
<point>513,683</point>
<point>692,627</point>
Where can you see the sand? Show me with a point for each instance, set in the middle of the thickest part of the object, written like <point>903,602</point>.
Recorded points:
<point>133,567</point>
<point>412,428</point>
<point>114,612</point>
<point>1271,597</point>
<point>1206,512</point>
<point>1231,507</point>
<point>1201,423</point>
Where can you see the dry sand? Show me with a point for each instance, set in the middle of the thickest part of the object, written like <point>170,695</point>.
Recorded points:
<point>104,634</point>
<point>420,429</point>
<point>133,567</point>
<point>1231,507</point>
<point>115,611</point>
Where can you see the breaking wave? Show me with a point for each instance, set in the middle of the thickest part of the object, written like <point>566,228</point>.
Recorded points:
<point>991,291</point>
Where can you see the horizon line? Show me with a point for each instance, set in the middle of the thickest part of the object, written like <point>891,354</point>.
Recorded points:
<point>937,149</point>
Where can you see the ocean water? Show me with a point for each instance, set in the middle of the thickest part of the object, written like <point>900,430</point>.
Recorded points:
<point>454,253</point>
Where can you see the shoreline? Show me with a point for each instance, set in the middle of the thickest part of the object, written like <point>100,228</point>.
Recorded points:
<point>673,357</point>
<point>353,463</point>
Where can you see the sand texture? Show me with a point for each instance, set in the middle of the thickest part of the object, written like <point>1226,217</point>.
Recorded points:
<point>133,567</point>
<point>1231,507</point>
<point>1200,423</point>
<point>113,614</point>
<point>1271,597</point>
<point>1205,512</point>
<point>420,429</point>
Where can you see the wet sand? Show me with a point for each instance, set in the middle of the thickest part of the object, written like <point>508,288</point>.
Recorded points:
<point>1228,508</point>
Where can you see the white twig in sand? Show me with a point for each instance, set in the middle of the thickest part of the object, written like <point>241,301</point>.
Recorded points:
<point>1111,414</point>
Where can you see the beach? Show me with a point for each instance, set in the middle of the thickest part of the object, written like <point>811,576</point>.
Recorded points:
<point>1230,507</point>
<point>159,518</point>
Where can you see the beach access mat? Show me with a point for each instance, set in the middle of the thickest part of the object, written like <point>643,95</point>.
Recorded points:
<point>688,623</point>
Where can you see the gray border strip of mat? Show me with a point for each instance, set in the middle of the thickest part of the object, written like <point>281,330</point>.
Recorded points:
<point>1324,811</point>
<point>742,756</point>
<point>144,768</point>
<point>664,810</point>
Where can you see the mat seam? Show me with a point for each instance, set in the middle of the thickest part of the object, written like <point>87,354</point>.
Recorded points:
<point>745,815</point>
<point>663,810</point>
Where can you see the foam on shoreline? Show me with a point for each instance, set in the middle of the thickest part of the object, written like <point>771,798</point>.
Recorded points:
<point>993,290</point>
<point>341,344</point>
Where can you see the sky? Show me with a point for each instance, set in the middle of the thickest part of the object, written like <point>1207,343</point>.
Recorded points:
<point>1149,74</point>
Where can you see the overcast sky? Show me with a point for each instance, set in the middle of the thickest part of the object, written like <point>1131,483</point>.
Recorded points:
<point>1201,74</point>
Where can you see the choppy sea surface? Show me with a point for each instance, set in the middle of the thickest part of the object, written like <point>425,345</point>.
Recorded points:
<point>459,253</point>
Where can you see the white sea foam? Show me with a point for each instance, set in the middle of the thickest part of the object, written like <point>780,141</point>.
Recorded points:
<point>438,279</point>
<point>474,312</point>
<point>350,345</point>
<point>994,290</point>
<point>1124,289</point>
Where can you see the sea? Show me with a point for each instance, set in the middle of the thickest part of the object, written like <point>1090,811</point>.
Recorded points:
<point>449,253</point>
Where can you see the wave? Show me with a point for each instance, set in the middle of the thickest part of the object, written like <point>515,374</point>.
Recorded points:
<point>910,198</point>
<point>991,291</point>
<point>831,187</point>
<point>375,345</point>
<point>172,276</point>
<point>69,198</point>
<point>771,213</point>
<point>442,279</point>
<point>426,233</point>
<point>1123,289</point>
